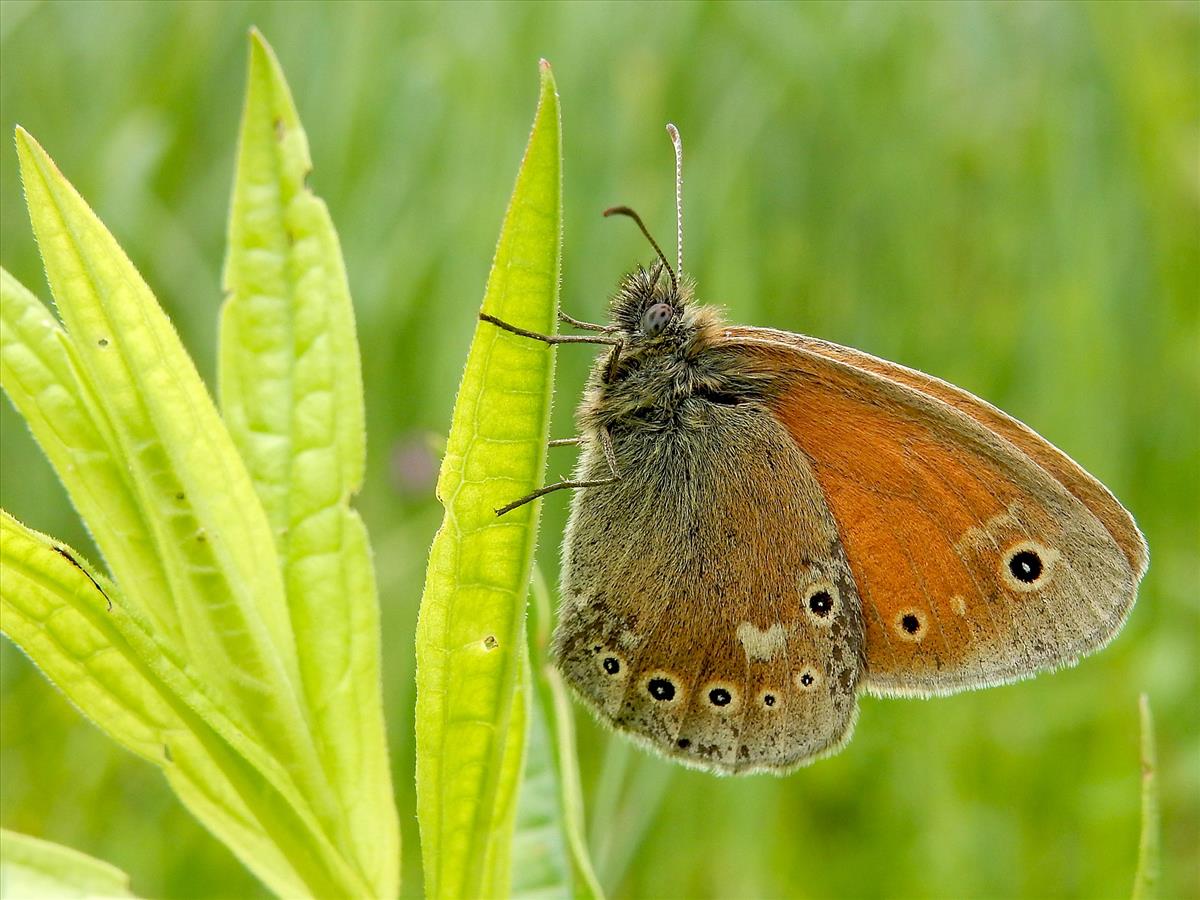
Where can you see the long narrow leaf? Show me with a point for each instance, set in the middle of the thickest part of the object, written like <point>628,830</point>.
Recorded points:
<point>194,489</point>
<point>31,869</point>
<point>553,708</point>
<point>539,855</point>
<point>38,373</point>
<point>470,633</point>
<point>106,663</point>
<point>498,861</point>
<point>291,394</point>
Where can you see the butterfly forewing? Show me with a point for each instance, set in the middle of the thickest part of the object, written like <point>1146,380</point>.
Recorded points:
<point>981,552</point>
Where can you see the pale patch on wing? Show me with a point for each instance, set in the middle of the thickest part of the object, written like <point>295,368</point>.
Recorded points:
<point>759,644</point>
<point>984,537</point>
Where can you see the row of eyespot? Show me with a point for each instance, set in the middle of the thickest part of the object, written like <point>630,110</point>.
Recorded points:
<point>660,688</point>
<point>1025,565</point>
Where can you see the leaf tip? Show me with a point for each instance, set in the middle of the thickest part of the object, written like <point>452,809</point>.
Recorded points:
<point>30,153</point>
<point>547,75</point>
<point>259,48</point>
<point>261,52</point>
<point>24,140</point>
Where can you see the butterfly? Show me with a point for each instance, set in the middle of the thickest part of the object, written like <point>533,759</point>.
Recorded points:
<point>765,525</point>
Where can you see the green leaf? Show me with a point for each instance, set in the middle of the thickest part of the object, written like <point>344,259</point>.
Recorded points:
<point>498,859</point>
<point>551,816</point>
<point>471,628</point>
<point>539,864</point>
<point>196,497</point>
<point>109,666</point>
<point>291,394</point>
<point>556,707</point>
<point>38,372</point>
<point>1146,881</point>
<point>31,869</point>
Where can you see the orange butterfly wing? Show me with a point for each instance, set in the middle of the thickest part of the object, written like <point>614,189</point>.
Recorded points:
<point>982,553</point>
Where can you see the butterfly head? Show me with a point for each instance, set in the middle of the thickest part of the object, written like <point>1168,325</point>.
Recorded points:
<point>650,308</point>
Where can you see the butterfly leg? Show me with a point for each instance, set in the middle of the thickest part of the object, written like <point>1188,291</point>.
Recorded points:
<point>550,338</point>
<point>609,456</point>
<point>575,323</point>
<point>610,370</point>
<point>616,343</point>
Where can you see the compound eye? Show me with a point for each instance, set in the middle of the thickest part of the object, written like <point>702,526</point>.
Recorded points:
<point>656,319</point>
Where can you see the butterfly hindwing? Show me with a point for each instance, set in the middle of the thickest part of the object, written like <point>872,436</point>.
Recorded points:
<point>708,607</point>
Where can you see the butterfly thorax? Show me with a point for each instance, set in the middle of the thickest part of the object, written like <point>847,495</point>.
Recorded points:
<point>663,364</point>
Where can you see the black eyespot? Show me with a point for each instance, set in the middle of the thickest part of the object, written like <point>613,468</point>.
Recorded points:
<point>910,623</point>
<point>719,697</point>
<point>612,665</point>
<point>820,603</point>
<point>806,679</point>
<point>656,319</point>
<point>1026,566</point>
<point>661,689</point>
<point>683,743</point>
<point>103,342</point>
<point>769,699</point>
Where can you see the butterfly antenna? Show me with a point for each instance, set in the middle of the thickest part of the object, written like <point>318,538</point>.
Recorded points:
<point>678,143</point>
<point>626,211</point>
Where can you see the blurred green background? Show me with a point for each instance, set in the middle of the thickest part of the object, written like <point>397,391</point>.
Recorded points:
<point>1004,195</point>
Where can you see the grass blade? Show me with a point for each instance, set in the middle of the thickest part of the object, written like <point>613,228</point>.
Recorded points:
<point>539,855</point>
<point>291,394</point>
<point>471,628</point>
<point>555,857</point>
<point>31,868</point>
<point>1145,882</point>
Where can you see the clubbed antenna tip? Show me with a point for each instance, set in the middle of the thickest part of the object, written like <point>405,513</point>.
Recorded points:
<point>677,141</point>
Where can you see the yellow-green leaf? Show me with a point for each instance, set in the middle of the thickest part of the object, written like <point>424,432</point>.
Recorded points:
<point>38,372</point>
<point>196,496</point>
<point>550,851</point>
<point>498,861</point>
<point>539,856</point>
<point>31,869</point>
<point>108,665</point>
<point>471,628</point>
<point>291,395</point>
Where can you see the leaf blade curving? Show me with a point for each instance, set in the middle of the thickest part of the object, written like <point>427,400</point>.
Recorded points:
<point>291,394</point>
<point>194,490</point>
<point>31,868</point>
<point>471,628</point>
<point>110,667</point>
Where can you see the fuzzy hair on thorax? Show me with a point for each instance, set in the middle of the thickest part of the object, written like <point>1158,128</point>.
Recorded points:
<point>654,374</point>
